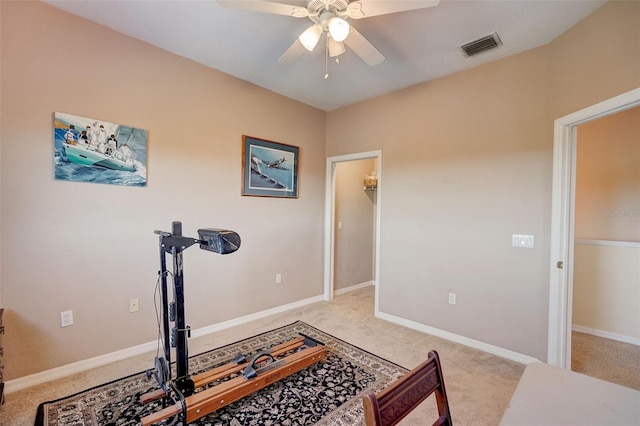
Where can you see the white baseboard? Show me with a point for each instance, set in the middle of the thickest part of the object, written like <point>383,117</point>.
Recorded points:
<point>76,367</point>
<point>87,364</point>
<point>253,317</point>
<point>495,350</point>
<point>607,335</point>
<point>352,288</point>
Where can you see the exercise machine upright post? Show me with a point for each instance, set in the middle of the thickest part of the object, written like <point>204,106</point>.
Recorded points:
<point>174,243</point>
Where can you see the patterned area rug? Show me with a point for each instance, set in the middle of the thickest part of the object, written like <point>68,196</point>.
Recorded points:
<point>327,393</point>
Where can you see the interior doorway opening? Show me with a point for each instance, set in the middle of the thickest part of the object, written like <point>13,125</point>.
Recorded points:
<point>331,225</point>
<point>562,221</point>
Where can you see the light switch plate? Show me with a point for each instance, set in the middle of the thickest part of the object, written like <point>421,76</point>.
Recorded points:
<point>525,241</point>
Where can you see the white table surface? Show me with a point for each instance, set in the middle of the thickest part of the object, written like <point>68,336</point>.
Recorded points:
<point>548,395</point>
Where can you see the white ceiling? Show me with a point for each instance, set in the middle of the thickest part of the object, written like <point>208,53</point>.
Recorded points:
<point>419,45</point>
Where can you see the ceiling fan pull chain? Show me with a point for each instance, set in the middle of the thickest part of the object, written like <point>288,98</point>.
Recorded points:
<point>326,58</point>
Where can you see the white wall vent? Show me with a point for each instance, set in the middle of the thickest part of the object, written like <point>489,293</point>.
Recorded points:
<point>481,45</point>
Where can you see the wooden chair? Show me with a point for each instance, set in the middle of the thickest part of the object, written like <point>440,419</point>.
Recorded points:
<point>392,404</point>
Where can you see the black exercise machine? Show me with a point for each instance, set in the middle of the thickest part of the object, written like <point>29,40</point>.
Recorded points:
<point>174,243</point>
<point>246,375</point>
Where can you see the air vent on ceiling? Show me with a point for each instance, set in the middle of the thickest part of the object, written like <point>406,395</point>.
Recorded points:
<point>481,45</point>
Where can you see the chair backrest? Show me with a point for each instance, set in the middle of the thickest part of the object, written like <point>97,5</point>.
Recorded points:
<point>393,403</point>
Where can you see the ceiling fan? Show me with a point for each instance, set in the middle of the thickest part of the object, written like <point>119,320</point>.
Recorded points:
<point>330,17</point>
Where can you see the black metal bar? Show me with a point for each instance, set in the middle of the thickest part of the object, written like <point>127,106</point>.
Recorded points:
<point>183,381</point>
<point>165,304</point>
<point>178,286</point>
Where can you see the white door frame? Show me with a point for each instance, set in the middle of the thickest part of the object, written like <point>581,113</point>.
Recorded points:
<point>562,221</point>
<point>329,218</point>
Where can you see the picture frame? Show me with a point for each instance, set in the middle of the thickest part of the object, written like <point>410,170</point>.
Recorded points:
<point>269,169</point>
<point>98,151</point>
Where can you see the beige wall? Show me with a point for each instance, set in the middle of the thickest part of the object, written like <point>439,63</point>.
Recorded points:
<point>467,163</point>
<point>595,60</point>
<point>606,290</point>
<point>608,178</point>
<point>463,170</point>
<point>355,210</point>
<point>91,247</point>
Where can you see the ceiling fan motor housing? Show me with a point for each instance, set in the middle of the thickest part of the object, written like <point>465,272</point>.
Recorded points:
<point>317,6</point>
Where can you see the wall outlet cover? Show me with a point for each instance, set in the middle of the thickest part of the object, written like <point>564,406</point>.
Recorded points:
<point>66,318</point>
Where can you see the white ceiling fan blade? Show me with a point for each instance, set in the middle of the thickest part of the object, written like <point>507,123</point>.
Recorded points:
<point>363,48</point>
<point>367,8</point>
<point>292,53</point>
<point>266,7</point>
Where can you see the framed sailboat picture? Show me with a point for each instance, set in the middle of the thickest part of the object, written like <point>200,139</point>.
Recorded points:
<point>98,151</point>
<point>269,169</point>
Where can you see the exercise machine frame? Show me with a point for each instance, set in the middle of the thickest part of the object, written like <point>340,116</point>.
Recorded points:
<point>261,370</point>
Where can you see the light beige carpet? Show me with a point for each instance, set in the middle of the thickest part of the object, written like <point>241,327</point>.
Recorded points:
<point>606,359</point>
<point>479,385</point>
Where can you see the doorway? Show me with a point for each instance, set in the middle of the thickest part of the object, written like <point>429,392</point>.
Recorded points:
<point>330,220</point>
<point>562,221</point>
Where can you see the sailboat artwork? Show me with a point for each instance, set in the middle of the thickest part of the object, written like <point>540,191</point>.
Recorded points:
<point>90,150</point>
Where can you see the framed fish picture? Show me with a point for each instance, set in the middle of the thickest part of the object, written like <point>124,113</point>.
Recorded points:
<point>98,151</point>
<point>269,169</point>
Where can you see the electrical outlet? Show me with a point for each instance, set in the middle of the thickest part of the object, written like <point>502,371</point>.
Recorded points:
<point>278,278</point>
<point>133,305</point>
<point>452,298</point>
<point>66,318</point>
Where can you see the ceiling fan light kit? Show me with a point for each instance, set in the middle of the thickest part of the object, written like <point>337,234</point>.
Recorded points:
<point>331,16</point>
<point>310,37</point>
<point>336,48</point>
<point>338,28</point>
